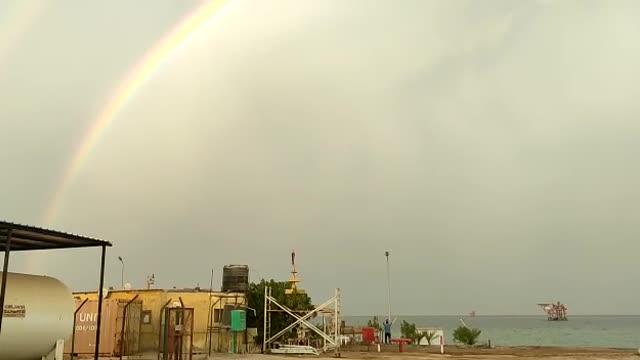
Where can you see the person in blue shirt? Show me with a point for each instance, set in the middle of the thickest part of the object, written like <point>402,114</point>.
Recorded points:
<point>387,331</point>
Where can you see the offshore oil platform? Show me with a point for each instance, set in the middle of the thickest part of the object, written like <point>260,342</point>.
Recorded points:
<point>555,312</point>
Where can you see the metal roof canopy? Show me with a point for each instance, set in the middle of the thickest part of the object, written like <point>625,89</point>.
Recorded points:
<point>24,237</point>
<point>17,237</point>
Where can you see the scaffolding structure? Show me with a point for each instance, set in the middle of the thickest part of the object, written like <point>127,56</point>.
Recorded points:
<point>330,332</point>
<point>331,324</point>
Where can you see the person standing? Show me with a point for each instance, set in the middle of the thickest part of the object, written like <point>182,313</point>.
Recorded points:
<point>387,331</point>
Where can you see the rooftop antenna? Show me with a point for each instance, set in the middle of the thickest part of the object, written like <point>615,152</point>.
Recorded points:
<point>151,280</point>
<point>293,280</point>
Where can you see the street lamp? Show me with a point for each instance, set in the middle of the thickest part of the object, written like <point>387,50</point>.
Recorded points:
<point>122,273</point>
<point>386,253</point>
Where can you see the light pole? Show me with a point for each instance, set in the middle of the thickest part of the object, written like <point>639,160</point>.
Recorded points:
<point>386,253</point>
<point>122,273</point>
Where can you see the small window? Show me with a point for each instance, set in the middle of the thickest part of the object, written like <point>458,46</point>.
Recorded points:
<point>217,315</point>
<point>146,317</point>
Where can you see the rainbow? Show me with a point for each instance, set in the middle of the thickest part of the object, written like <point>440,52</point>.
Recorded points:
<point>126,90</point>
<point>15,21</point>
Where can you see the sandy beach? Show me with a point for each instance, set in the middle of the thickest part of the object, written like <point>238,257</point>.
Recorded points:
<point>453,352</point>
<point>548,353</point>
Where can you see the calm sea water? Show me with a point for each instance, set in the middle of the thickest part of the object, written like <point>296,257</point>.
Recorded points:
<point>596,331</point>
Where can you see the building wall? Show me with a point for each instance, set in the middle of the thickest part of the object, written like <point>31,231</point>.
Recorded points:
<point>111,328</point>
<point>153,301</point>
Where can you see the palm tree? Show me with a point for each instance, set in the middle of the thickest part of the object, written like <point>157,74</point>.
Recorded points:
<point>430,336</point>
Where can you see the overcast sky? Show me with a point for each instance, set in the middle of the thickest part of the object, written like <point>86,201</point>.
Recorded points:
<point>491,146</point>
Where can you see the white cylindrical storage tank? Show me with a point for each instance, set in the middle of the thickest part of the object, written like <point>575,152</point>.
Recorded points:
<point>38,311</point>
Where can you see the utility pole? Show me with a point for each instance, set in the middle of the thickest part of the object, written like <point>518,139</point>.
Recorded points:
<point>386,253</point>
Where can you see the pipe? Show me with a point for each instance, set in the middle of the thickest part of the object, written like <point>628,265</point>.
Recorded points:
<point>99,322</point>
<point>248,308</point>
<point>191,336</point>
<point>5,269</point>
<point>180,317</point>
<point>73,334</point>
<point>160,328</point>
<point>266,313</point>
<point>219,334</point>
<point>210,315</point>
<point>124,321</point>
<point>165,337</point>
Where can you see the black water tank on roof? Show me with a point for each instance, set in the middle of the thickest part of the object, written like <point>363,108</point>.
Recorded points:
<point>235,278</point>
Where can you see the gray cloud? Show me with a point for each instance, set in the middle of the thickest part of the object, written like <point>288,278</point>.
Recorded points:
<point>489,145</point>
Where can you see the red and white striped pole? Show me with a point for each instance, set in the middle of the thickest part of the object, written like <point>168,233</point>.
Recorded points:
<point>441,344</point>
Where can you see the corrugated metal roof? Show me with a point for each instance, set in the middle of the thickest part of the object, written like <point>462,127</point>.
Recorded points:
<point>27,237</point>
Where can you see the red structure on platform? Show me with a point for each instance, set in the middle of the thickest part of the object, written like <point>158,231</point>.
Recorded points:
<point>401,342</point>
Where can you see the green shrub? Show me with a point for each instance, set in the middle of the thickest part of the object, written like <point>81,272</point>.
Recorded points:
<point>374,323</point>
<point>409,331</point>
<point>465,335</point>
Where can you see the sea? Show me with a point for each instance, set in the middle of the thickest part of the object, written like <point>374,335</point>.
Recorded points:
<point>583,331</point>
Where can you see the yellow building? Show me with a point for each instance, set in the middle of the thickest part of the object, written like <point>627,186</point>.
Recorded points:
<point>206,331</point>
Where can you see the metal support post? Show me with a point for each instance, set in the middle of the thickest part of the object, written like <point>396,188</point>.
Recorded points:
<point>388,288</point>
<point>324,328</point>
<point>100,294</point>
<point>5,269</point>
<point>160,332</point>
<point>124,322</point>
<point>210,316</point>
<point>73,334</point>
<point>266,313</point>
<point>338,322</point>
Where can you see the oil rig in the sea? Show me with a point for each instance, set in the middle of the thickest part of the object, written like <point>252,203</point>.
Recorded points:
<point>555,312</point>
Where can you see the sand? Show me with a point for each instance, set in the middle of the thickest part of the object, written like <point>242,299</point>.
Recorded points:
<point>451,353</point>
